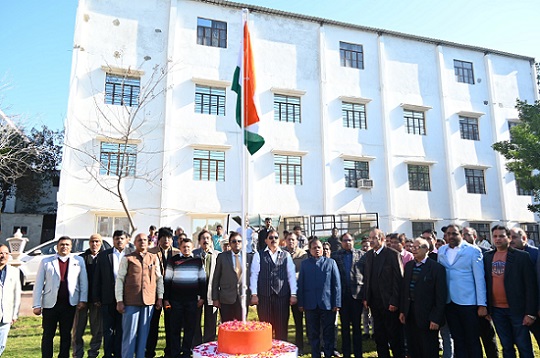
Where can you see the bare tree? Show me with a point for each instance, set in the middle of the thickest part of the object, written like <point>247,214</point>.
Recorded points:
<point>21,155</point>
<point>123,126</point>
<point>16,150</point>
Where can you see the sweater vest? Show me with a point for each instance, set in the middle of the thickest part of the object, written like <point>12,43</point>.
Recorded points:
<point>140,286</point>
<point>273,276</point>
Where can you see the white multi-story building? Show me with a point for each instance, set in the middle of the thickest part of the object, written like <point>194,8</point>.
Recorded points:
<point>356,120</point>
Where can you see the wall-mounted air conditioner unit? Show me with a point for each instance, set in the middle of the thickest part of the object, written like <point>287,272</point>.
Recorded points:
<point>364,183</point>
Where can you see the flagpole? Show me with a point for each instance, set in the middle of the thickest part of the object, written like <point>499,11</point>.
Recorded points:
<point>244,181</point>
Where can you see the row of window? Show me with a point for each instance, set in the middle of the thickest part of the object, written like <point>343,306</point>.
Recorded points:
<point>214,33</point>
<point>419,179</point>
<point>120,159</point>
<point>124,90</point>
<point>211,100</point>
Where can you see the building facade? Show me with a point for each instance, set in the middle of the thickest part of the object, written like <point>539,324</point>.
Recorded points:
<point>355,120</point>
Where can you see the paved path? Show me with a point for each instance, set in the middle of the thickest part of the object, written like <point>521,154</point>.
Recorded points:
<point>26,303</point>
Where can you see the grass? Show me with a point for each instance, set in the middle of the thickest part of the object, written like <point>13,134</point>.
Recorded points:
<point>25,339</point>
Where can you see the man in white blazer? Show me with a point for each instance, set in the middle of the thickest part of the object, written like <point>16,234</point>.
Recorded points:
<point>61,287</point>
<point>10,296</point>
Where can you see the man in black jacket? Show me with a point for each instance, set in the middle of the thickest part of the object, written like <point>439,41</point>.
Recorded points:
<point>383,274</point>
<point>103,293</point>
<point>91,310</point>
<point>350,263</point>
<point>423,300</point>
<point>263,233</point>
<point>511,292</point>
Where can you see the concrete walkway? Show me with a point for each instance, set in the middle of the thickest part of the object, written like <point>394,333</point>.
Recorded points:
<point>26,303</point>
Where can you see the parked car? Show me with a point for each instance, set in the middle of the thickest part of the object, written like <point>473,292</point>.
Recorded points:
<point>32,258</point>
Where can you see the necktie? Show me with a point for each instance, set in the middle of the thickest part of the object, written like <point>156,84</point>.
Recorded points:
<point>237,266</point>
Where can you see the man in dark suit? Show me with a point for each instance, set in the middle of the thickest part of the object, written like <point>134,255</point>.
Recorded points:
<point>521,242</point>
<point>383,274</point>
<point>164,250</point>
<point>350,263</point>
<point>511,293</point>
<point>423,301</point>
<point>90,311</point>
<point>105,274</point>
<point>209,257</point>
<point>227,280</point>
<point>263,233</point>
<point>319,295</point>
<point>334,241</point>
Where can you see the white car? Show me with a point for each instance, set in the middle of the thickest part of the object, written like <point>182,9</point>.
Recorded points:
<point>32,258</point>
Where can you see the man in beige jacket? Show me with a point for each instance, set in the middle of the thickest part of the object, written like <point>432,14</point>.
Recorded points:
<point>139,287</point>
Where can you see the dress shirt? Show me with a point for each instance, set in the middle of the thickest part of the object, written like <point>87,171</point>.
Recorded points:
<point>347,262</point>
<point>117,257</point>
<point>451,253</point>
<point>234,260</point>
<point>406,256</point>
<point>165,254</point>
<point>256,267</point>
<point>3,275</point>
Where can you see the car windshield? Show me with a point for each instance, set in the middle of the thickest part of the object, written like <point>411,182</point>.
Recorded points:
<point>49,249</point>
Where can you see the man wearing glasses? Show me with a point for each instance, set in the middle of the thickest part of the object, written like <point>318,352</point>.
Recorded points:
<point>350,263</point>
<point>227,280</point>
<point>273,285</point>
<point>466,292</point>
<point>423,300</point>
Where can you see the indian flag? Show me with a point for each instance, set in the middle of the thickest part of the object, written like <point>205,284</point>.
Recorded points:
<point>246,87</point>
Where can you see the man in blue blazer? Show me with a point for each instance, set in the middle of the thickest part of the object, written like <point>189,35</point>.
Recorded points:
<point>61,287</point>
<point>319,296</point>
<point>466,292</point>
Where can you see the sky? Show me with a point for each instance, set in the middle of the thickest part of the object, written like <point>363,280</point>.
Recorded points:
<point>36,39</point>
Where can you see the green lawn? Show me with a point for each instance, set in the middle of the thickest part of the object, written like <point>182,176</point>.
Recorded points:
<point>25,335</point>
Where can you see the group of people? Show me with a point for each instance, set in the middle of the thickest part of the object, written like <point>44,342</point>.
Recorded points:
<point>415,291</point>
